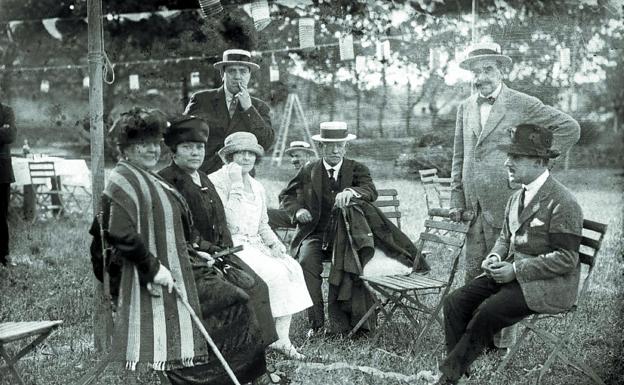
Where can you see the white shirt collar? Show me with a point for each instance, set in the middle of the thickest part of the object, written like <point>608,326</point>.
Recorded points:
<point>336,167</point>
<point>533,187</point>
<point>497,91</point>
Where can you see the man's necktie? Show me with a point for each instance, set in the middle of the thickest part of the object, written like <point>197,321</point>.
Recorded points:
<point>333,182</point>
<point>232,106</point>
<point>521,201</point>
<point>490,100</point>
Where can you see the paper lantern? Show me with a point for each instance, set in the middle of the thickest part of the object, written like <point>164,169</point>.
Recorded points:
<point>383,50</point>
<point>345,46</point>
<point>306,32</point>
<point>564,58</point>
<point>134,81</point>
<point>85,82</point>
<point>273,70</point>
<point>45,86</point>
<point>434,59</point>
<point>260,14</point>
<point>210,7</point>
<point>360,64</point>
<point>194,79</point>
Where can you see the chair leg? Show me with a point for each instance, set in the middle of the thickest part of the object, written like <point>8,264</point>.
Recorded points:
<point>514,349</point>
<point>10,361</point>
<point>94,373</point>
<point>567,357</point>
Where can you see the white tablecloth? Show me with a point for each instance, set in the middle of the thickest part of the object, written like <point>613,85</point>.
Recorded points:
<point>73,172</point>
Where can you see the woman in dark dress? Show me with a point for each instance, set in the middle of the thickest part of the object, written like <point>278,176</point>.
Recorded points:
<point>186,137</point>
<point>148,228</point>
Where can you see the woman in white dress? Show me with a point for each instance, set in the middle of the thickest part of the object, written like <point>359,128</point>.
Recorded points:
<point>244,199</point>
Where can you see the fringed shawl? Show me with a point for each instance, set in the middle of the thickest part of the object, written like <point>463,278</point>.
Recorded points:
<point>158,331</point>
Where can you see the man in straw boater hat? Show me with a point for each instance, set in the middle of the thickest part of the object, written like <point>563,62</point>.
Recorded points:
<point>300,153</point>
<point>484,120</point>
<point>230,108</point>
<point>534,265</point>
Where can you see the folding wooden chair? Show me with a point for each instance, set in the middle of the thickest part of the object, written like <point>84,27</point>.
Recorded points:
<point>48,193</point>
<point>426,177</point>
<point>593,235</point>
<point>16,331</point>
<point>442,239</point>
<point>443,189</point>
<point>388,202</point>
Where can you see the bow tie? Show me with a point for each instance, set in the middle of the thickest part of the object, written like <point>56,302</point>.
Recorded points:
<point>489,99</point>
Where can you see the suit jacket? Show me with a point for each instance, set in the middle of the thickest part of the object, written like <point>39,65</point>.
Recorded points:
<point>479,178</point>
<point>210,105</point>
<point>7,136</point>
<point>305,190</point>
<point>543,241</point>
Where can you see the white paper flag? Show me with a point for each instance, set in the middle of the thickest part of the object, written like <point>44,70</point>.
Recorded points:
<point>306,32</point>
<point>194,79</point>
<point>45,86</point>
<point>134,81</point>
<point>345,44</point>
<point>260,14</point>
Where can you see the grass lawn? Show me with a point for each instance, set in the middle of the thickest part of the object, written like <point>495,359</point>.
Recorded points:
<point>53,280</point>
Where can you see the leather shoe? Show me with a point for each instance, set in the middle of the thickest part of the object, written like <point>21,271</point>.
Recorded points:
<point>7,261</point>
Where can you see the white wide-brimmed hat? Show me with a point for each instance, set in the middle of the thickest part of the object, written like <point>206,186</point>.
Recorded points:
<point>333,132</point>
<point>240,141</point>
<point>299,145</point>
<point>236,56</point>
<point>482,51</point>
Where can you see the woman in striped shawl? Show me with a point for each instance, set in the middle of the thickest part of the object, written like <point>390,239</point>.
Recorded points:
<point>148,229</point>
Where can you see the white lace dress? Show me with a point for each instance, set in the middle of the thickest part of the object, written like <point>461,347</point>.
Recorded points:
<point>247,219</point>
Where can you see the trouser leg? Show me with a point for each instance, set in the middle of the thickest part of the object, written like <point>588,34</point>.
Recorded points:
<point>504,307</point>
<point>5,193</point>
<point>311,261</point>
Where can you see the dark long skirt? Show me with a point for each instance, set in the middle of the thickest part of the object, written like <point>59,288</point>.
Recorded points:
<point>230,319</point>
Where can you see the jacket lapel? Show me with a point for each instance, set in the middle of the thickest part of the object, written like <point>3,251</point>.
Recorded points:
<point>316,179</point>
<point>473,116</point>
<point>497,113</point>
<point>219,106</point>
<point>535,203</point>
<point>346,174</point>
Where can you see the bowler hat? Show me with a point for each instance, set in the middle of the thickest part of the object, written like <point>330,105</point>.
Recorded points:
<point>531,140</point>
<point>240,141</point>
<point>482,51</point>
<point>333,132</point>
<point>189,128</point>
<point>299,145</point>
<point>236,56</point>
<point>138,124</point>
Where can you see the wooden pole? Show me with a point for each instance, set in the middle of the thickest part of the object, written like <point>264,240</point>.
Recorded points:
<point>101,332</point>
<point>475,15</point>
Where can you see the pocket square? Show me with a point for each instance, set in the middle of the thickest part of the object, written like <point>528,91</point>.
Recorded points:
<point>536,222</point>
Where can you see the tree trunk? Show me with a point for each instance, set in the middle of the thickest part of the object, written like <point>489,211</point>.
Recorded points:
<point>408,110</point>
<point>185,92</point>
<point>332,97</point>
<point>384,102</point>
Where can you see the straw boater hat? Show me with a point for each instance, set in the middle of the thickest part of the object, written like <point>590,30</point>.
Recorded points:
<point>333,132</point>
<point>240,141</point>
<point>186,129</point>
<point>236,56</point>
<point>531,140</point>
<point>299,145</point>
<point>481,51</point>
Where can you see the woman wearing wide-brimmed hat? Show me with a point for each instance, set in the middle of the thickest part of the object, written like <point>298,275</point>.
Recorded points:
<point>148,225</point>
<point>246,213</point>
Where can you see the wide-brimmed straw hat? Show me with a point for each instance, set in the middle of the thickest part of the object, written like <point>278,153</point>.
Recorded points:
<point>188,128</point>
<point>333,132</point>
<point>483,51</point>
<point>531,140</point>
<point>240,141</point>
<point>236,56</point>
<point>299,145</point>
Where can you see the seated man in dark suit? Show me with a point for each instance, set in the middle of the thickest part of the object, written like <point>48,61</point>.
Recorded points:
<point>230,108</point>
<point>533,266</point>
<point>310,198</point>
<point>300,153</point>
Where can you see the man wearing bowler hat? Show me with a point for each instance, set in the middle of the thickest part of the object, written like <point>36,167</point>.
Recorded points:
<point>533,266</point>
<point>484,121</point>
<point>230,108</point>
<point>300,153</point>
<point>309,198</point>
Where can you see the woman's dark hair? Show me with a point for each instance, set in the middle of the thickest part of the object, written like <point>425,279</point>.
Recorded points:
<point>137,124</point>
<point>230,157</point>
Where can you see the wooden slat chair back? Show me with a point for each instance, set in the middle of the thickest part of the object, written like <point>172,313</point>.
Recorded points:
<point>48,195</point>
<point>443,189</point>
<point>593,235</point>
<point>441,242</point>
<point>431,195</point>
<point>12,332</point>
<point>388,202</point>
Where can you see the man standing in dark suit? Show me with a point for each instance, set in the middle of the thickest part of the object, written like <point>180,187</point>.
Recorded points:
<point>7,136</point>
<point>309,198</point>
<point>534,265</point>
<point>230,108</point>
